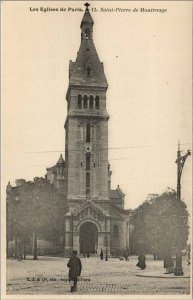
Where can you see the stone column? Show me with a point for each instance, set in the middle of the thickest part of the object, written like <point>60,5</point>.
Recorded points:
<point>76,243</point>
<point>101,242</point>
<point>68,235</point>
<point>108,228</point>
<point>127,234</point>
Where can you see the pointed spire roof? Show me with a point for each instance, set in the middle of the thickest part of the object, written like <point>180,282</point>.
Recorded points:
<point>87,19</point>
<point>61,160</point>
<point>87,57</point>
<point>118,189</point>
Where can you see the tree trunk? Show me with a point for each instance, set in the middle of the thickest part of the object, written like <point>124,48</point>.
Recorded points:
<point>7,247</point>
<point>24,251</point>
<point>35,248</point>
<point>15,247</point>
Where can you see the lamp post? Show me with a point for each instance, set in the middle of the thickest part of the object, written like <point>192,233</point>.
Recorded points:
<point>106,241</point>
<point>178,271</point>
<point>72,224</point>
<point>106,256</point>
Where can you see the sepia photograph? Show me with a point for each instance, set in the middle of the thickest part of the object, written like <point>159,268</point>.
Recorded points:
<point>96,156</point>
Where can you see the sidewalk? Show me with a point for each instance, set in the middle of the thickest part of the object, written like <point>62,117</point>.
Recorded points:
<point>160,273</point>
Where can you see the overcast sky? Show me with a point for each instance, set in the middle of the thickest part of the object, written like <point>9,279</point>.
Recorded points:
<point>147,62</point>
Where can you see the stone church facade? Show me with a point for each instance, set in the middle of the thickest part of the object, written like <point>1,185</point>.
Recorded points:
<point>96,218</point>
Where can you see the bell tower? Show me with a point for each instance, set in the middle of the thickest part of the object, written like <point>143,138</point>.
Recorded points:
<point>87,25</point>
<point>86,126</point>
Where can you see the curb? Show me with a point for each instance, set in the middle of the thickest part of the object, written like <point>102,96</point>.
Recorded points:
<point>160,276</point>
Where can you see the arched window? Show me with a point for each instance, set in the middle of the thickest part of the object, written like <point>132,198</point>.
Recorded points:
<point>79,101</point>
<point>87,33</point>
<point>88,132</point>
<point>91,102</point>
<point>88,71</point>
<point>87,183</point>
<point>97,102</point>
<point>87,179</point>
<point>85,101</point>
<point>115,230</point>
<point>88,162</point>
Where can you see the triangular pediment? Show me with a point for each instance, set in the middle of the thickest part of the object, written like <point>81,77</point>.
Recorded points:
<point>91,208</point>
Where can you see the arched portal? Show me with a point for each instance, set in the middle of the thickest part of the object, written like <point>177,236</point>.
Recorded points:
<point>88,238</point>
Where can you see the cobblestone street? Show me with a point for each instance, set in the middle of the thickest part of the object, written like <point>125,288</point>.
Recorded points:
<point>48,275</point>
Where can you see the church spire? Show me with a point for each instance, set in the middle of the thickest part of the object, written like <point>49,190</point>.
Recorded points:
<point>87,5</point>
<point>86,24</point>
<point>61,160</point>
<point>87,70</point>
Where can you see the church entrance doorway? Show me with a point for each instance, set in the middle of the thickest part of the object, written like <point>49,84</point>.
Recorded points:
<point>88,238</point>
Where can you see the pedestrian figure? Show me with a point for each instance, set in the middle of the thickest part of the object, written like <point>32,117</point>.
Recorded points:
<point>75,268</point>
<point>19,251</point>
<point>168,264</point>
<point>141,261</point>
<point>101,254</point>
<point>127,255</point>
<point>155,257</point>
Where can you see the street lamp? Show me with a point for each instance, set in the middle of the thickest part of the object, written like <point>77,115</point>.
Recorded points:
<point>178,271</point>
<point>106,256</point>
<point>106,241</point>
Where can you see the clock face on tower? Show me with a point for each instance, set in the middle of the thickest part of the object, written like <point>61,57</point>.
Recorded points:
<point>88,148</point>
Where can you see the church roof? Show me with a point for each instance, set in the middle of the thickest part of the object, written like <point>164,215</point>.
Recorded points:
<point>53,169</point>
<point>87,57</point>
<point>119,191</point>
<point>114,194</point>
<point>87,18</point>
<point>61,160</point>
<point>120,209</point>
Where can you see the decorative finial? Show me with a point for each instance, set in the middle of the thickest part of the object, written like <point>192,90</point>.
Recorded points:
<point>87,5</point>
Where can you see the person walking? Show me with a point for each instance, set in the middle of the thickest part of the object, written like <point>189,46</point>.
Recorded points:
<point>168,264</point>
<point>75,268</point>
<point>141,261</point>
<point>101,254</point>
<point>126,255</point>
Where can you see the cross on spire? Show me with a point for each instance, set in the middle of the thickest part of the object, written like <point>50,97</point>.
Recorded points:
<point>87,5</point>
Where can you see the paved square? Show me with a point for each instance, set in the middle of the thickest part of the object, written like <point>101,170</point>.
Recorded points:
<point>49,275</point>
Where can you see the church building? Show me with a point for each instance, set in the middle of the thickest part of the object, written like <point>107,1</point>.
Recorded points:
<point>96,218</point>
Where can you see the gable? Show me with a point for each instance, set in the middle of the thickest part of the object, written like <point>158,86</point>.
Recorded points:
<point>89,208</point>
